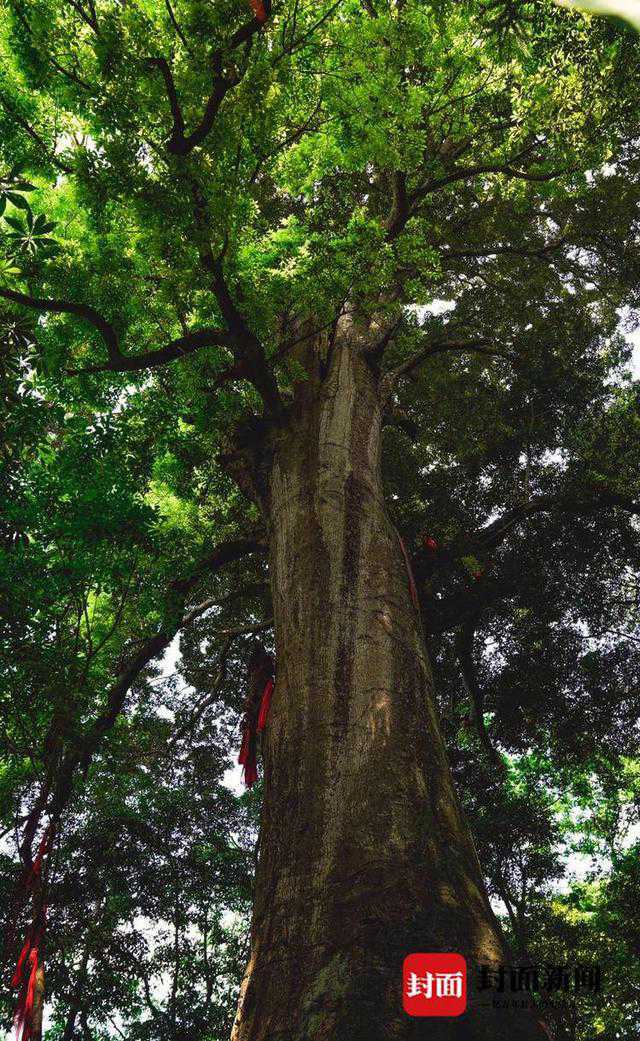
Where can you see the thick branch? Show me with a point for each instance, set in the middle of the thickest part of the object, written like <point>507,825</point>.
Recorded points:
<point>173,350</point>
<point>49,306</point>
<point>477,346</point>
<point>181,143</point>
<point>225,553</point>
<point>601,498</point>
<point>412,199</point>
<point>399,213</point>
<point>177,132</point>
<point>446,615</point>
<point>82,748</point>
<point>538,253</point>
<point>464,649</point>
<point>467,173</point>
<point>249,355</point>
<point>118,362</point>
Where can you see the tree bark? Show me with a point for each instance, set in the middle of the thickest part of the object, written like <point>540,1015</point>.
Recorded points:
<point>363,853</point>
<point>38,1005</point>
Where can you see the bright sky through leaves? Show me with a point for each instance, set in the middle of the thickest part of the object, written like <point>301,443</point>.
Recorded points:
<point>629,9</point>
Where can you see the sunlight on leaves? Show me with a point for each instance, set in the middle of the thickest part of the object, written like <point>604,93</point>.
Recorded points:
<point>627,9</point>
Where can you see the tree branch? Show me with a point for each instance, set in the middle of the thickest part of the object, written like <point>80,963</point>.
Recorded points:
<point>162,64</point>
<point>155,645</point>
<point>249,355</point>
<point>89,17</point>
<point>196,713</point>
<point>178,348</point>
<point>119,362</point>
<point>478,346</point>
<point>179,142</point>
<point>57,790</point>
<point>35,136</point>
<point>49,306</point>
<point>399,213</point>
<point>601,498</point>
<point>399,216</point>
<point>493,251</point>
<point>467,173</point>
<point>446,615</point>
<point>464,649</point>
<point>176,25</point>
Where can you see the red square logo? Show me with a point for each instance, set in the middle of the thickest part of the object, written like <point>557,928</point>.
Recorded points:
<point>434,984</point>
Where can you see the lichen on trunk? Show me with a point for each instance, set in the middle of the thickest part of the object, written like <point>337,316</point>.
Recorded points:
<point>364,855</point>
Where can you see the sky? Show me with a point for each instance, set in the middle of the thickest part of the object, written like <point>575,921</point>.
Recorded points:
<point>634,338</point>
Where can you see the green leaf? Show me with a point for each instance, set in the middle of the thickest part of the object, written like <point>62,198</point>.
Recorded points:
<point>18,201</point>
<point>16,223</point>
<point>7,268</point>
<point>41,225</point>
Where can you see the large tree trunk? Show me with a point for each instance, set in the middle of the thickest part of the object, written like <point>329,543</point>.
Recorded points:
<point>363,854</point>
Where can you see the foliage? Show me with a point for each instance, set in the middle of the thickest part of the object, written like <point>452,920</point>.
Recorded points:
<point>387,154</point>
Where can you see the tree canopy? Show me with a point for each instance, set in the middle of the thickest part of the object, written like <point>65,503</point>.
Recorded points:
<point>189,193</point>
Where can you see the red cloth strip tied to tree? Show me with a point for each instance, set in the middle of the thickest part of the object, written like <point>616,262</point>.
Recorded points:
<point>265,704</point>
<point>25,979</point>
<point>260,682</point>
<point>35,873</point>
<point>30,961</point>
<point>259,10</point>
<point>247,757</point>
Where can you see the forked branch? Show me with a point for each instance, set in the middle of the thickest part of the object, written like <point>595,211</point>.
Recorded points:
<point>180,142</point>
<point>476,346</point>
<point>117,361</point>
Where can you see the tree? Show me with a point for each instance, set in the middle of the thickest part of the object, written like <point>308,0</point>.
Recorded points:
<point>225,233</point>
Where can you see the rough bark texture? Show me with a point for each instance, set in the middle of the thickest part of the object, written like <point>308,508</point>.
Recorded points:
<point>38,1005</point>
<point>363,854</point>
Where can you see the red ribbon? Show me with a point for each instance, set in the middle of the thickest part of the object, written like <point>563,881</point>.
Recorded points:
<point>265,704</point>
<point>25,977</point>
<point>26,980</point>
<point>16,979</point>
<point>247,757</point>
<point>251,729</point>
<point>36,869</point>
<point>23,1018</point>
<point>259,10</point>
